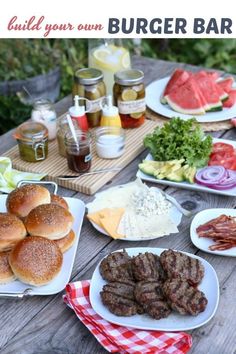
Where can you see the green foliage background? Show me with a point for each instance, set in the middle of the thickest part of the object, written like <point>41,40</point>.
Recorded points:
<point>23,58</point>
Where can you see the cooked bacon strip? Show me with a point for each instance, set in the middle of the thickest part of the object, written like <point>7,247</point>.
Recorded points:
<point>222,230</point>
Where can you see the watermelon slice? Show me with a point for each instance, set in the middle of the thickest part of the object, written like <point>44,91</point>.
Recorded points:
<point>209,90</point>
<point>186,99</point>
<point>214,75</point>
<point>231,100</point>
<point>226,84</point>
<point>177,79</point>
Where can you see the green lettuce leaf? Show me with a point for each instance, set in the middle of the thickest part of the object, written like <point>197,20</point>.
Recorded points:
<point>180,139</point>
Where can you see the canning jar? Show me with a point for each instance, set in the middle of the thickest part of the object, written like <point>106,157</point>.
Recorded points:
<point>43,112</point>
<point>129,96</point>
<point>62,129</point>
<point>32,139</point>
<point>110,142</point>
<point>88,83</point>
<point>78,152</point>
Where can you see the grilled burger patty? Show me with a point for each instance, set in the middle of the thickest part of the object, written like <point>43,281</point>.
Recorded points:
<point>116,266</point>
<point>147,266</point>
<point>150,296</point>
<point>179,265</point>
<point>119,298</point>
<point>183,297</point>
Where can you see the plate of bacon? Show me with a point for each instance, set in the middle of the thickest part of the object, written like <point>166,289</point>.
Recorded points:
<point>214,231</point>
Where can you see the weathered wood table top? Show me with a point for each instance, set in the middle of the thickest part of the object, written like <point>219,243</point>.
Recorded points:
<point>45,325</point>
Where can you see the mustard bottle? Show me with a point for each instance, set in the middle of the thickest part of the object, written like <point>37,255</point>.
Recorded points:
<point>110,115</point>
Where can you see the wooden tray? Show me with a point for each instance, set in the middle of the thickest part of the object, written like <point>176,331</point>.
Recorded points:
<point>56,165</point>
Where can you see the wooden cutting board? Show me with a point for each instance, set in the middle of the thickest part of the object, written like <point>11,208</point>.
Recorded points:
<point>56,165</point>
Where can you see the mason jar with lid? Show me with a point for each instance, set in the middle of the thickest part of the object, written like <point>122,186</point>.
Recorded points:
<point>88,83</point>
<point>129,96</point>
<point>32,139</point>
<point>62,129</point>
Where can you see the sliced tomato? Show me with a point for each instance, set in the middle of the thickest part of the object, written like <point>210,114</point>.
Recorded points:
<point>219,148</point>
<point>227,161</point>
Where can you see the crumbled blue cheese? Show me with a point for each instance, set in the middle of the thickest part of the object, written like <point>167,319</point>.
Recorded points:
<point>150,202</point>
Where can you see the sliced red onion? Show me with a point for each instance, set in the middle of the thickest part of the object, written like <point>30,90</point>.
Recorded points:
<point>210,175</point>
<point>216,177</point>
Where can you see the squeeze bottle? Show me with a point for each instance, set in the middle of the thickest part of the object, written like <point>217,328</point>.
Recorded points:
<point>78,113</point>
<point>110,115</point>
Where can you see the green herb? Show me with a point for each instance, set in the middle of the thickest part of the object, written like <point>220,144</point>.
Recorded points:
<point>180,139</point>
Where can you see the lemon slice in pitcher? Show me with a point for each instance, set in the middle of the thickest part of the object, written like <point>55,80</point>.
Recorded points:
<point>125,60</point>
<point>101,54</point>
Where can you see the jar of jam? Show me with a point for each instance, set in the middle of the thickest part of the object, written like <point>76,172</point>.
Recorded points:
<point>78,152</point>
<point>32,139</point>
<point>88,83</point>
<point>129,97</point>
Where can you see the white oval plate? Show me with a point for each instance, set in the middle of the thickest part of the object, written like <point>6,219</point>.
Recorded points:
<point>175,322</point>
<point>153,95</point>
<point>203,243</point>
<point>175,215</point>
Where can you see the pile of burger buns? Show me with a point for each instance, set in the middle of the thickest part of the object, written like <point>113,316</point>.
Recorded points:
<point>34,233</point>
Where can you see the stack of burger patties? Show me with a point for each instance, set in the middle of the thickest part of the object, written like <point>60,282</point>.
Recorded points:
<point>34,233</point>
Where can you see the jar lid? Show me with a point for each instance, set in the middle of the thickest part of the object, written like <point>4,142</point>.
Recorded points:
<point>129,77</point>
<point>42,104</point>
<point>31,131</point>
<point>88,76</point>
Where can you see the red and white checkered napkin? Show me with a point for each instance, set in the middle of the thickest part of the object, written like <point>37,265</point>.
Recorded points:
<point>121,339</point>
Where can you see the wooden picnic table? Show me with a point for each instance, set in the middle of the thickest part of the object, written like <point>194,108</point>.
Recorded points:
<point>43,324</point>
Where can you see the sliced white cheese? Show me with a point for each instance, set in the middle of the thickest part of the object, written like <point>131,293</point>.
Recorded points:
<point>137,226</point>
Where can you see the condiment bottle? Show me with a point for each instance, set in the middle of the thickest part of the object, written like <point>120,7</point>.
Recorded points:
<point>110,115</point>
<point>78,113</point>
<point>43,112</point>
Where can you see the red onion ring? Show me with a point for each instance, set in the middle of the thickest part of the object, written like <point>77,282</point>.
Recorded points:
<point>211,175</point>
<point>216,177</point>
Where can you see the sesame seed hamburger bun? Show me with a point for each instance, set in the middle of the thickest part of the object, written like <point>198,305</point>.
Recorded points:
<point>59,200</point>
<point>49,220</point>
<point>12,230</point>
<point>6,274</point>
<point>36,260</point>
<point>66,242</point>
<point>23,199</point>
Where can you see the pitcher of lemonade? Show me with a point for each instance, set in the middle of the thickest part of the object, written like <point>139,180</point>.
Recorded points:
<point>110,56</point>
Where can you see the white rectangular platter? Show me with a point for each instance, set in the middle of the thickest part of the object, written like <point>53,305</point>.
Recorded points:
<point>197,187</point>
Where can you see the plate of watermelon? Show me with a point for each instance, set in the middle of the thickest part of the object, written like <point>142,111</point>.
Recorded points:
<point>204,95</point>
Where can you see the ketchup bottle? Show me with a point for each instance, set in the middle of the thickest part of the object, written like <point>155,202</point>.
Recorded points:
<point>78,113</point>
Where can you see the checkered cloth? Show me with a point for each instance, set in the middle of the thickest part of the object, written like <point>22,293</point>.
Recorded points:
<point>119,339</point>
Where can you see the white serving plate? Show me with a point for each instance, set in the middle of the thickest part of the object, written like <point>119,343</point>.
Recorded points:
<point>175,215</point>
<point>77,209</point>
<point>203,243</point>
<point>197,187</point>
<point>175,322</point>
<point>154,93</point>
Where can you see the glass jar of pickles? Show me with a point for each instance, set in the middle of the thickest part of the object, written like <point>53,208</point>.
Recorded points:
<point>129,96</point>
<point>88,83</point>
<point>32,139</point>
